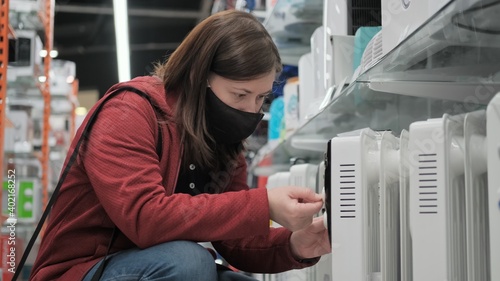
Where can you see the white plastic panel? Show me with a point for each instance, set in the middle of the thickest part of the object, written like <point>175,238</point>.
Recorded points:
<point>318,53</point>
<point>437,199</point>
<point>355,206</point>
<point>306,85</point>
<point>278,179</point>
<point>402,17</point>
<point>389,207</point>
<point>476,196</point>
<point>343,59</point>
<point>427,205</point>
<point>455,196</point>
<point>304,175</point>
<point>404,185</point>
<point>493,133</point>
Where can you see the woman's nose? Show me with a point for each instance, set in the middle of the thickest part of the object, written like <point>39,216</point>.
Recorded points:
<point>251,107</point>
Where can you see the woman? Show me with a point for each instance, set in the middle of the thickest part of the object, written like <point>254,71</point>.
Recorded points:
<point>153,205</point>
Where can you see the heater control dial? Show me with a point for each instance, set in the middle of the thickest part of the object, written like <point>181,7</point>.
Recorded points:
<point>325,220</point>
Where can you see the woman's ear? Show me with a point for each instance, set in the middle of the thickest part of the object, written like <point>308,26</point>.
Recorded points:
<point>209,77</point>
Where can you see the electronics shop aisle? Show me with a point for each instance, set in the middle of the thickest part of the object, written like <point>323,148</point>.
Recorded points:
<point>389,108</point>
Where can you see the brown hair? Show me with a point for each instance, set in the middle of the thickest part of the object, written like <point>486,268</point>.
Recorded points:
<point>232,44</point>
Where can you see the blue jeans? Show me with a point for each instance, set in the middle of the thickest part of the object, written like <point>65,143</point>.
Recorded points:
<point>176,260</point>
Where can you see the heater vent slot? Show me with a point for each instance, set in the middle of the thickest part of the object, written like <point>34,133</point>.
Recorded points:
<point>347,186</point>
<point>427,184</point>
<point>298,180</point>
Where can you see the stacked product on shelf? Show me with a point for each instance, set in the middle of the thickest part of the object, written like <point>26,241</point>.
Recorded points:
<point>25,62</point>
<point>24,69</point>
<point>354,217</point>
<point>402,18</point>
<point>420,206</point>
<point>291,24</point>
<point>336,50</point>
<point>421,105</point>
<point>306,175</point>
<point>341,21</point>
<point>27,113</point>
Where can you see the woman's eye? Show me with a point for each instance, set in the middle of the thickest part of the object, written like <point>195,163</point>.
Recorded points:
<point>239,95</point>
<point>262,97</point>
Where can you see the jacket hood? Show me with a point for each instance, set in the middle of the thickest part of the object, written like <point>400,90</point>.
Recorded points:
<point>153,86</point>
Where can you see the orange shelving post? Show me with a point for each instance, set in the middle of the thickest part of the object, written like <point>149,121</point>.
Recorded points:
<point>48,23</point>
<point>4,61</point>
<point>74,100</point>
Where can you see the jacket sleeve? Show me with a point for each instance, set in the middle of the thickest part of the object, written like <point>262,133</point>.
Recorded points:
<point>262,254</point>
<point>122,164</point>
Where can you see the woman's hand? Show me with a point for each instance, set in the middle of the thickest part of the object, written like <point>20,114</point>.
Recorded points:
<point>310,242</point>
<point>293,207</point>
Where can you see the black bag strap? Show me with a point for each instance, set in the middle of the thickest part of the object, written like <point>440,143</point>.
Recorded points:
<point>85,132</point>
<point>100,269</point>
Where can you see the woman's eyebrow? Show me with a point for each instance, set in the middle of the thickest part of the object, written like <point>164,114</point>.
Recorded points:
<point>249,92</point>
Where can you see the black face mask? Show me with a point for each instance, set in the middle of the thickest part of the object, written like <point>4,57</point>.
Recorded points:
<point>226,124</point>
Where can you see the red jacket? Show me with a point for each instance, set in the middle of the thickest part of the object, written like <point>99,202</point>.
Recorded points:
<point>119,180</point>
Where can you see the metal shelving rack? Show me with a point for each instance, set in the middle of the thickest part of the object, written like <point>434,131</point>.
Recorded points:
<point>48,23</point>
<point>36,165</point>
<point>48,101</point>
<point>4,57</point>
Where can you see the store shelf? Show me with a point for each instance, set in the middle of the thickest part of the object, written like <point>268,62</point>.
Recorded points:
<point>440,68</point>
<point>25,14</point>
<point>446,48</point>
<point>313,142</point>
<point>291,24</point>
<point>5,32</point>
<point>481,92</point>
<point>42,109</point>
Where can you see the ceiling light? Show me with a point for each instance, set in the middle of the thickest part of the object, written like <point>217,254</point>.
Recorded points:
<point>122,42</point>
<point>53,53</point>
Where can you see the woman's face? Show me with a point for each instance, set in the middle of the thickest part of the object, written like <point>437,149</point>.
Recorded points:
<point>243,95</point>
